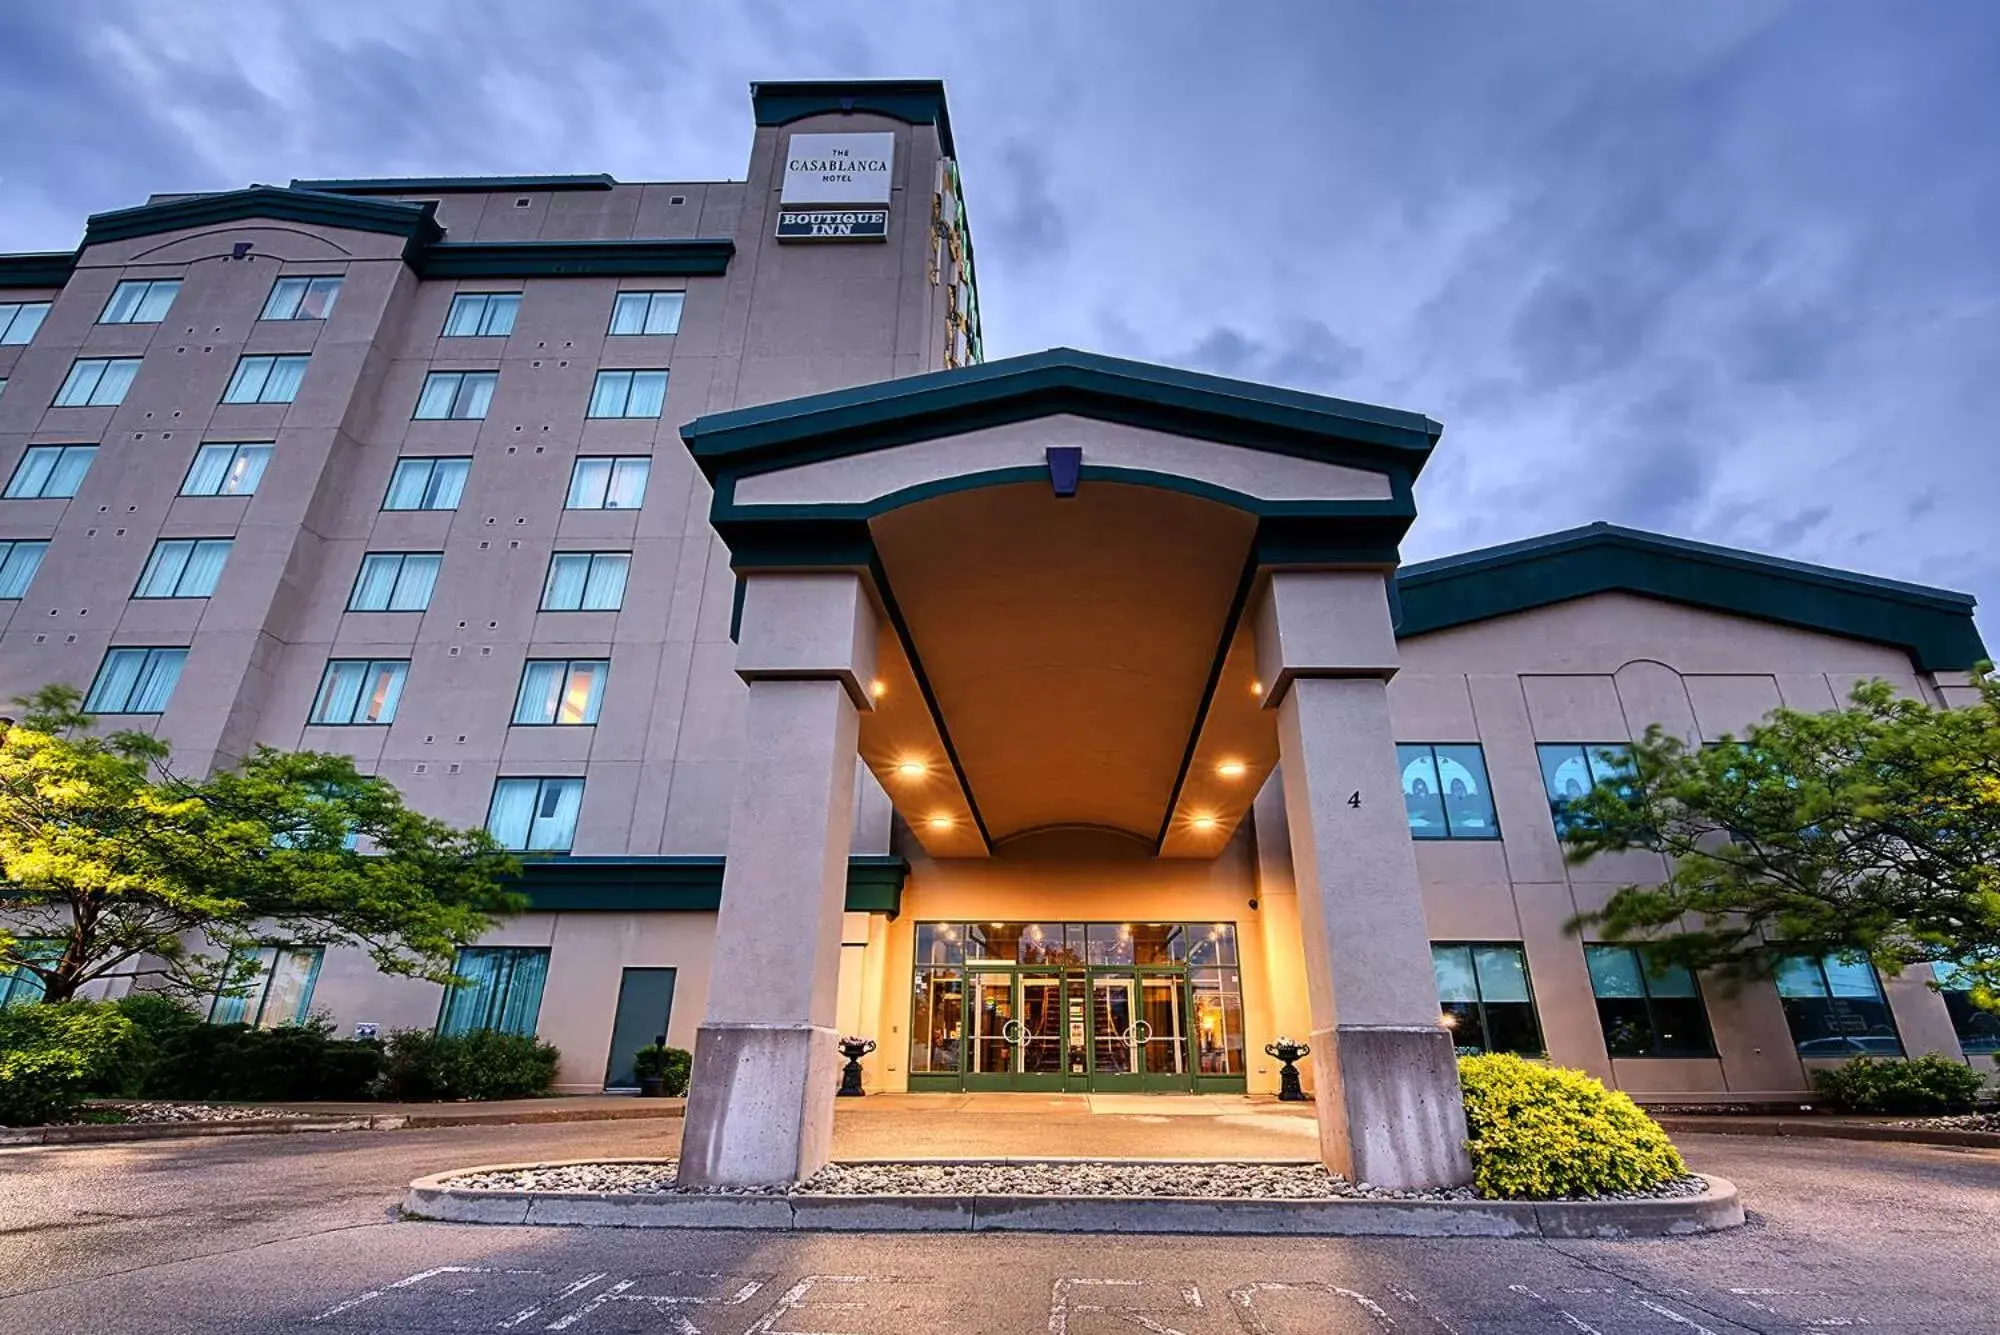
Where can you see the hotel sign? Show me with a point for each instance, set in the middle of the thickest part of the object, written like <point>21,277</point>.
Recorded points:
<point>833,173</point>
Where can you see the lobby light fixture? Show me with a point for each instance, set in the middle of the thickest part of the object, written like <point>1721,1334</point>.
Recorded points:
<point>910,769</point>
<point>940,822</point>
<point>1256,688</point>
<point>1203,822</point>
<point>1232,769</point>
<point>878,688</point>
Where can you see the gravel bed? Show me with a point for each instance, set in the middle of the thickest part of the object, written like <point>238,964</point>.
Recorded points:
<point>1986,1121</point>
<point>146,1114</point>
<point>1237,1181</point>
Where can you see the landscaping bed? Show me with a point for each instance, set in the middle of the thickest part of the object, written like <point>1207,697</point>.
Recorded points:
<point>160,1114</point>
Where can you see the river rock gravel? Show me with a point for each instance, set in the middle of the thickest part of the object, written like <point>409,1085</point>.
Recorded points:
<point>1234,1181</point>
<point>150,1113</point>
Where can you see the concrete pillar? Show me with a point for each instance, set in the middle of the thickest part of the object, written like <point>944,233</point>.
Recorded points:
<point>1385,1073</point>
<point>760,1102</point>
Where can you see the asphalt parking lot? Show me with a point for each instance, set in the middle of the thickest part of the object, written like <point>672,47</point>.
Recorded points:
<point>299,1233</point>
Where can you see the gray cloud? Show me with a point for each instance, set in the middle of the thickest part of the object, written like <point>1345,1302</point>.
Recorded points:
<point>1722,268</point>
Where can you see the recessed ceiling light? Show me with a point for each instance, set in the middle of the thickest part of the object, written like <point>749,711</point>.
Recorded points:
<point>910,769</point>
<point>1203,822</point>
<point>1256,688</point>
<point>1231,769</point>
<point>940,822</point>
<point>878,688</point>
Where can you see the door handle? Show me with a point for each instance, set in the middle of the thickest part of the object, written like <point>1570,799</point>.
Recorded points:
<point>1140,1032</point>
<point>1014,1032</point>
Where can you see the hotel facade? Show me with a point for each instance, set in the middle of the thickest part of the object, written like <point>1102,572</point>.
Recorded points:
<point>1060,723</point>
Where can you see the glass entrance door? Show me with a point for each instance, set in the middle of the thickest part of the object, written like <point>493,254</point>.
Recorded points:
<point>991,1057</point>
<point>1041,1056</point>
<point>1017,1039</point>
<point>1163,1037</point>
<point>1114,1042</point>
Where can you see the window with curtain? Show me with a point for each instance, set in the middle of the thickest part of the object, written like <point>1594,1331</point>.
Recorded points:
<point>628,394</point>
<point>226,470</point>
<point>50,472</point>
<point>1978,1029</point>
<point>586,582</point>
<point>502,991</point>
<point>427,484</point>
<point>360,691</point>
<point>135,681</point>
<point>1487,1002</point>
<point>647,313</point>
<point>463,395</point>
<point>561,691</point>
<point>97,382</point>
<point>608,483</point>
<point>183,568</point>
<point>18,563</point>
<point>482,315</point>
<point>19,320</point>
<point>1835,1007</point>
<point>1646,1008</point>
<point>266,380</point>
<point>395,582</point>
<point>141,302</point>
<point>23,987</point>
<point>278,991</point>
<point>1445,792</point>
<point>301,299</point>
<point>535,815</point>
<point>1568,772</point>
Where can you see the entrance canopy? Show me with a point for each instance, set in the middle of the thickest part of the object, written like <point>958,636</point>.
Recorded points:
<point>1063,546</point>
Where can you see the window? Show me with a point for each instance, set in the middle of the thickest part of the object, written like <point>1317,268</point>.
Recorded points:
<point>226,470</point>
<point>22,987</point>
<point>561,691</point>
<point>20,319</point>
<point>1835,1008</point>
<point>426,484</point>
<point>301,299</point>
<point>395,582</point>
<point>1445,792</point>
<point>628,394</point>
<point>647,313</point>
<point>47,472</point>
<point>1647,1009</point>
<point>482,315</point>
<point>18,563</point>
<point>535,815</point>
<point>97,382</point>
<point>279,992</point>
<point>586,582</point>
<point>1488,1005</point>
<point>462,395</point>
<point>140,302</point>
<point>502,991</point>
<point>266,380</point>
<point>183,569</point>
<point>135,681</point>
<point>1568,772</point>
<point>608,483</point>
<point>1978,1029</point>
<point>360,690</point>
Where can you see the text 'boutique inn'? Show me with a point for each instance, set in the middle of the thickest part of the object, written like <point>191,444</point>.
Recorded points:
<point>1061,723</point>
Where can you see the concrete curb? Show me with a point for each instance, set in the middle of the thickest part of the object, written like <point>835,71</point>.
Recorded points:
<point>1717,1208</point>
<point>1806,1129</point>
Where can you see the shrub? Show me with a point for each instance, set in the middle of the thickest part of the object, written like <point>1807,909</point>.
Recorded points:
<point>670,1064</point>
<point>153,1059</point>
<point>1540,1132</point>
<point>177,1056</point>
<point>51,1054</point>
<point>422,1066</point>
<point>1918,1087</point>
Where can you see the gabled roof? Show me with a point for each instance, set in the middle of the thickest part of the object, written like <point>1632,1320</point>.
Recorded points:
<point>1060,380</point>
<point>1933,625</point>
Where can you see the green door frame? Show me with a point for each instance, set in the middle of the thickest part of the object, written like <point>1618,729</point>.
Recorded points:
<point>1012,1032</point>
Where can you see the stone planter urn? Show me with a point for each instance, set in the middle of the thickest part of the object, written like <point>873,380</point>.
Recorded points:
<point>1288,1053</point>
<point>854,1049</point>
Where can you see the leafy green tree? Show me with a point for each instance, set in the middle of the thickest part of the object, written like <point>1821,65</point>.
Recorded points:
<point>114,866</point>
<point>1870,830</point>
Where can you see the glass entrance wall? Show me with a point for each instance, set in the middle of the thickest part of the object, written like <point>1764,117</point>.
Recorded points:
<point>1077,1006</point>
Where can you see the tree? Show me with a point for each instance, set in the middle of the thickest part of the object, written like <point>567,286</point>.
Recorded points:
<point>1871,830</point>
<point>112,865</point>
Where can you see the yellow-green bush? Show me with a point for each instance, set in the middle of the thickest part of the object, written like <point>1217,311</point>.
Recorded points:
<point>1543,1132</point>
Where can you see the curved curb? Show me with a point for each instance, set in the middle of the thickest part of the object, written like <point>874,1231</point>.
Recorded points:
<point>1806,1129</point>
<point>1717,1208</point>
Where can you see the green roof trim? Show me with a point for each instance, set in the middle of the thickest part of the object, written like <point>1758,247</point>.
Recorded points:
<point>682,884</point>
<point>698,257</point>
<point>414,221</point>
<point>42,269</point>
<point>1934,626</point>
<point>452,185</point>
<point>912,101</point>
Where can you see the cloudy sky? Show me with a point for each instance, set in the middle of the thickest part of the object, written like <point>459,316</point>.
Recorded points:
<point>1729,271</point>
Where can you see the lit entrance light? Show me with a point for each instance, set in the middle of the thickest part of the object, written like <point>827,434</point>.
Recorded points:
<point>940,822</point>
<point>878,688</point>
<point>1203,823</point>
<point>1256,688</point>
<point>910,769</point>
<point>1231,769</point>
